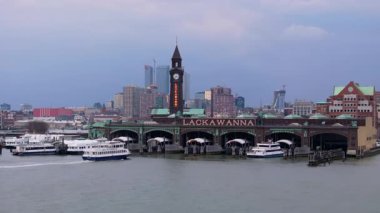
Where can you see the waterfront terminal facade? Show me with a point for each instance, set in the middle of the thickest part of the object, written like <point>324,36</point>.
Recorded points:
<point>212,135</point>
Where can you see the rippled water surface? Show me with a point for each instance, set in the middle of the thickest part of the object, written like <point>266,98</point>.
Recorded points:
<point>174,183</point>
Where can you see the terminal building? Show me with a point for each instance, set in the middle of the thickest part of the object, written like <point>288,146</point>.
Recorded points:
<point>176,129</point>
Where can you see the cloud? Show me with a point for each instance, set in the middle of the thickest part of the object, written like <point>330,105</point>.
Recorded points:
<point>302,32</point>
<point>215,26</point>
<point>317,6</point>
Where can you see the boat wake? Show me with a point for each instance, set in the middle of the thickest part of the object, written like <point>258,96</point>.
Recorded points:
<point>42,164</point>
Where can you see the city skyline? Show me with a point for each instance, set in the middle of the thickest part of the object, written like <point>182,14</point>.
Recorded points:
<point>253,47</point>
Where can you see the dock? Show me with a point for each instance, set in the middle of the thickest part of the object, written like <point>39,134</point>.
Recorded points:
<point>326,156</point>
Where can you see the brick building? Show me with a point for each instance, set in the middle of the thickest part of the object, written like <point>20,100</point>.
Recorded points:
<point>354,100</point>
<point>222,102</point>
<point>52,112</point>
<point>322,107</point>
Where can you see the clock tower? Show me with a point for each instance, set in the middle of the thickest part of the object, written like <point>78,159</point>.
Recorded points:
<point>176,83</point>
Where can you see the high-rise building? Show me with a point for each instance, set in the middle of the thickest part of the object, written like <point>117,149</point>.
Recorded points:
<point>176,83</point>
<point>303,107</point>
<point>199,100</point>
<point>138,102</point>
<point>222,102</point>
<point>147,102</point>
<point>118,102</point>
<point>279,100</point>
<point>5,107</point>
<point>26,108</point>
<point>162,79</point>
<point>208,95</point>
<point>131,98</point>
<point>240,103</point>
<point>149,75</point>
<point>109,105</point>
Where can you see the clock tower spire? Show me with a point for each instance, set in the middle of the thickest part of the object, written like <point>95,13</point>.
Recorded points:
<point>176,83</point>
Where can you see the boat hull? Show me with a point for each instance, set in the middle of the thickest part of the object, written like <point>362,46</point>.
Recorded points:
<point>105,158</point>
<point>34,153</point>
<point>74,152</point>
<point>265,156</point>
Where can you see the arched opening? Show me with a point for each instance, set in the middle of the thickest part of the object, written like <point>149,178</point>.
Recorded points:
<point>125,133</point>
<point>130,138</point>
<point>197,142</point>
<point>285,136</point>
<point>237,143</point>
<point>329,141</point>
<point>156,141</point>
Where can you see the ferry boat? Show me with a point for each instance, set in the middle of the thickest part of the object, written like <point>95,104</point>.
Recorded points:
<point>12,142</point>
<point>266,150</point>
<point>35,149</point>
<point>77,147</point>
<point>110,150</point>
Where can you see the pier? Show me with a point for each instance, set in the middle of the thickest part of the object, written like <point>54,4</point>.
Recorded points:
<point>319,157</point>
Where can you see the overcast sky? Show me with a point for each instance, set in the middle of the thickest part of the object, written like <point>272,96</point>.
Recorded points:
<point>76,52</point>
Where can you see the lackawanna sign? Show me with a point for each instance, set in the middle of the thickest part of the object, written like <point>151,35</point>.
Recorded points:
<point>219,122</point>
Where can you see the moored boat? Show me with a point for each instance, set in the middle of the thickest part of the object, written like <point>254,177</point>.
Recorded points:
<point>110,150</point>
<point>12,142</point>
<point>77,147</point>
<point>266,150</point>
<point>35,149</point>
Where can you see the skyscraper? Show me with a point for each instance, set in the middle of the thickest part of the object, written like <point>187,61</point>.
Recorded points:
<point>131,100</point>
<point>222,102</point>
<point>279,100</point>
<point>5,107</point>
<point>138,102</point>
<point>149,75</point>
<point>162,79</point>
<point>118,101</point>
<point>240,103</point>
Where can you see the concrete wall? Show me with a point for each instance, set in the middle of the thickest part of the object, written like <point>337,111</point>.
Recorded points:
<point>367,135</point>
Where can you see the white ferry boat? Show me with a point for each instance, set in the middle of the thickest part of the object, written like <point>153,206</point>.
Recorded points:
<point>266,150</point>
<point>35,149</point>
<point>12,142</point>
<point>110,150</point>
<point>77,147</point>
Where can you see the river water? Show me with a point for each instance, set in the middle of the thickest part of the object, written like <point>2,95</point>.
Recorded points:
<point>173,183</point>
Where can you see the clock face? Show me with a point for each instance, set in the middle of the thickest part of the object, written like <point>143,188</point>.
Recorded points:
<point>176,76</point>
<point>350,89</point>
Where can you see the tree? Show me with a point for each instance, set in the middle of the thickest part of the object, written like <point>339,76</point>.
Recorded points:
<point>38,127</point>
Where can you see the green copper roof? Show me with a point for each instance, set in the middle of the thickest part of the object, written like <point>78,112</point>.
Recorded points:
<point>269,115</point>
<point>365,90</point>
<point>99,124</point>
<point>318,116</point>
<point>245,115</point>
<point>194,112</point>
<point>344,116</point>
<point>161,111</point>
<point>292,116</point>
<point>337,90</point>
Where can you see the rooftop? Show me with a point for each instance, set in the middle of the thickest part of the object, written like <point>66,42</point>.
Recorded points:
<point>368,90</point>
